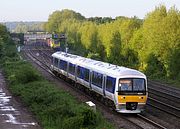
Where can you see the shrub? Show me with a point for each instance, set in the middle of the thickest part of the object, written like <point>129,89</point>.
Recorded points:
<point>27,74</point>
<point>90,117</point>
<point>73,122</point>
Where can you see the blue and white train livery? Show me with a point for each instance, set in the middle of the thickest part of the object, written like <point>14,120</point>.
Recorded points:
<point>124,88</point>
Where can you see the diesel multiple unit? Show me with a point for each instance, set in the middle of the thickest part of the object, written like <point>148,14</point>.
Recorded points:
<point>124,88</point>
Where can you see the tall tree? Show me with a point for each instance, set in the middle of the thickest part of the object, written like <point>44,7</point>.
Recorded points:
<point>115,47</point>
<point>57,17</point>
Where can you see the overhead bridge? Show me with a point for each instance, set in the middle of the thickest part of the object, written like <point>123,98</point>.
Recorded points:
<point>33,37</point>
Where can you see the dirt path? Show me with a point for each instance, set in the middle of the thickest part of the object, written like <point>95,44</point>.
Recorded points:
<point>13,115</point>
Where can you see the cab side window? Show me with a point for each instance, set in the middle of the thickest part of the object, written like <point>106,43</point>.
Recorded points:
<point>110,84</point>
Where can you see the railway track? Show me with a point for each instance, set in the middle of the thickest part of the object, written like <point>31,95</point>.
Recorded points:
<point>166,100</point>
<point>164,86</point>
<point>172,97</point>
<point>135,120</point>
<point>164,107</point>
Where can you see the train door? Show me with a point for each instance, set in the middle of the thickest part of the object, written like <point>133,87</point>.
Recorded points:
<point>90,79</point>
<point>75,74</point>
<point>52,64</point>
<point>58,66</point>
<point>52,60</point>
<point>67,69</point>
<point>104,85</point>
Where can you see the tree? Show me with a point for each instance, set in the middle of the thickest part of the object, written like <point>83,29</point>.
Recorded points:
<point>155,68</point>
<point>127,27</point>
<point>4,35</point>
<point>1,47</point>
<point>174,64</point>
<point>161,30</point>
<point>130,58</point>
<point>115,47</point>
<point>89,38</point>
<point>100,20</point>
<point>145,44</point>
<point>57,17</point>
<point>4,39</point>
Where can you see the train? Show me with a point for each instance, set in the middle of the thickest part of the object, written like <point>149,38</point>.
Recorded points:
<point>53,43</point>
<point>123,88</point>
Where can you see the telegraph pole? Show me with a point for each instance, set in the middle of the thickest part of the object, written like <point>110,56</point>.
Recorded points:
<point>66,45</point>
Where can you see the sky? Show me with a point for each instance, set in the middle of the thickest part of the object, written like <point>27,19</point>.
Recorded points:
<point>39,10</point>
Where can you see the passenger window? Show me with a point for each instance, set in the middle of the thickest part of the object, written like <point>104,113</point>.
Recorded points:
<point>63,65</point>
<point>78,71</point>
<point>71,68</point>
<point>83,73</point>
<point>97,79</point>
<point>86,74</point>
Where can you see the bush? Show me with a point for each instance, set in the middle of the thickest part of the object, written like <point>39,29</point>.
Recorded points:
<point>27,74</point>
<point>20,72</point>
<point>73,122</point>
<point>90,117</point>
<point>56,108</point>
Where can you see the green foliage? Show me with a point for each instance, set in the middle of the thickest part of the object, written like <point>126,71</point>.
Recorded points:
<point>4,35</point>
<point>1,47</point>
<point>130,58</point>
<point>55,20</point>
<point>27,74</point>
<point>124,41</point>
<point>90,117</point>
<point>115,48</point>
<point>86,118</point>
<point>155,68</point>
<point>20,36</point>
<point>19,71</point>
<point>5,40</point>
<point>160,30</point>
<point>75,122</point>
<point>174,63</point>
<point>55,108</point>
<point>24,27</point>
<point>94,56</point>
<point>100,20</point>
<point>89,38</point>
<point>159,35</point>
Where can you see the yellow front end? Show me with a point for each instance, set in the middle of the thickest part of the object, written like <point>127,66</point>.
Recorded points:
<point>130,98</point>
<point>131,103</point>
<point>56,45</point>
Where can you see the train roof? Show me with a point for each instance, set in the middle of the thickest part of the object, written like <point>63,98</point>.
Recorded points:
<point>99,66</point>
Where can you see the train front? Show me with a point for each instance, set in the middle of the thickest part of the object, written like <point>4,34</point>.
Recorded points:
<point>131,92</point>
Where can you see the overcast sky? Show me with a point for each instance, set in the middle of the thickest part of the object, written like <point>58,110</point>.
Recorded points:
<point>39,10</point>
